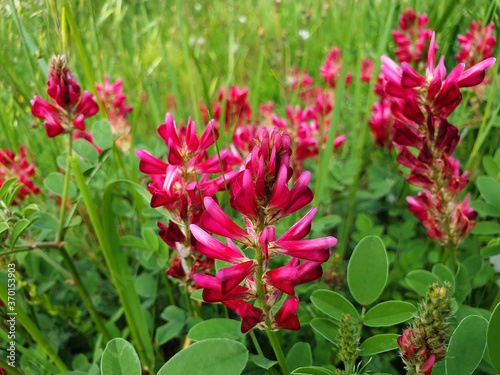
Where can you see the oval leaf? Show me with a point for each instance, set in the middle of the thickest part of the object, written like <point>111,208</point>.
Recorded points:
<point>19,228</point>
<point>419,281</point>
<point>216,328</point>
<point>208,357</point>
<point>300,355</point>
<point>326,328</point>
<point>379,344</point>
<point>86,150</point>
<point>333,304</point>
<point>368,269</point>
<point>263,362</point>
<point>102,135</point>
<point>467,346</point>
<point>389,313</point>
<point>120,358</point>
<point>55,183</point>
<point>493,338</point>
<point>489,189</point>
<point>490,251</point>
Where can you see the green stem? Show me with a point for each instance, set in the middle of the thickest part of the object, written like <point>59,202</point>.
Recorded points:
<point>65,191</point>
<point>84,294</point>
<point>261,297</point>
<point>278,351</point>
<point>256,343</point>
<point>32,329</point>
<point>168,288</point>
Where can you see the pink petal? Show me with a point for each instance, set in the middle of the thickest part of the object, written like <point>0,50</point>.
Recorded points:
<point>301,228</point>
<point>232,276</point>
<point>215,220</point>
<point>149,164</point>
<point>213,248</point>
<point>475,75</point>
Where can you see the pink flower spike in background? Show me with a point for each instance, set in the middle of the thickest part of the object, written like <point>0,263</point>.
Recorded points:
<point>477,44</point>
<point>412,38</point>
<point>17,166</point>
<point>70,106</point>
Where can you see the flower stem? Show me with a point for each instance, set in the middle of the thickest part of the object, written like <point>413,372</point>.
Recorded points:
<point>65,190</point>
<point>278,351</point>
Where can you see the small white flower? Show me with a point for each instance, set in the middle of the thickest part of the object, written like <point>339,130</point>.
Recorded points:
<point>304,34</point>
<point>197,7</point>
<point>201,41</point>
<point>242,19</point>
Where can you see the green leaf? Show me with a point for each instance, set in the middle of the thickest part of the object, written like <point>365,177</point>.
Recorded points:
<point>490,166</point>
<point>173,313</point>
<point>46,221</point>
<point>102,135</point>
<point>263,362</point>
<point>208,357</point>
<point>168,331</point>
<point>86,150</point>
<point>6,186</point>
<point>30,210</point>
<point>462,287</point>
<point>490,251</point>
<point>368,269</point>
<point>489,189</point>
<point>486,227</point>
<point>419,281</point>
<point>473,264</point>
<point>493,338</point>
<point>133,241</point>
<point>216,328</point>
<point>3,227</point>
<point>379,344</point>
<point>299,355</point>
<point>151,238</point>
<point>310,370</point>
<point>19,228</point>
<point>467,346</point>
<point>326,328</point>
<point>120,358</point>
<point>55,183</point>
<point>333,304</point>
<point>389,313</point>
<point>145,285</point>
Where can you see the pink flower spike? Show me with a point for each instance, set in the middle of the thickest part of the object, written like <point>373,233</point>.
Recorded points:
<point>286,317</point>
<point>232,276</point>
<point>215,220</point>
<point>475,75</point>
